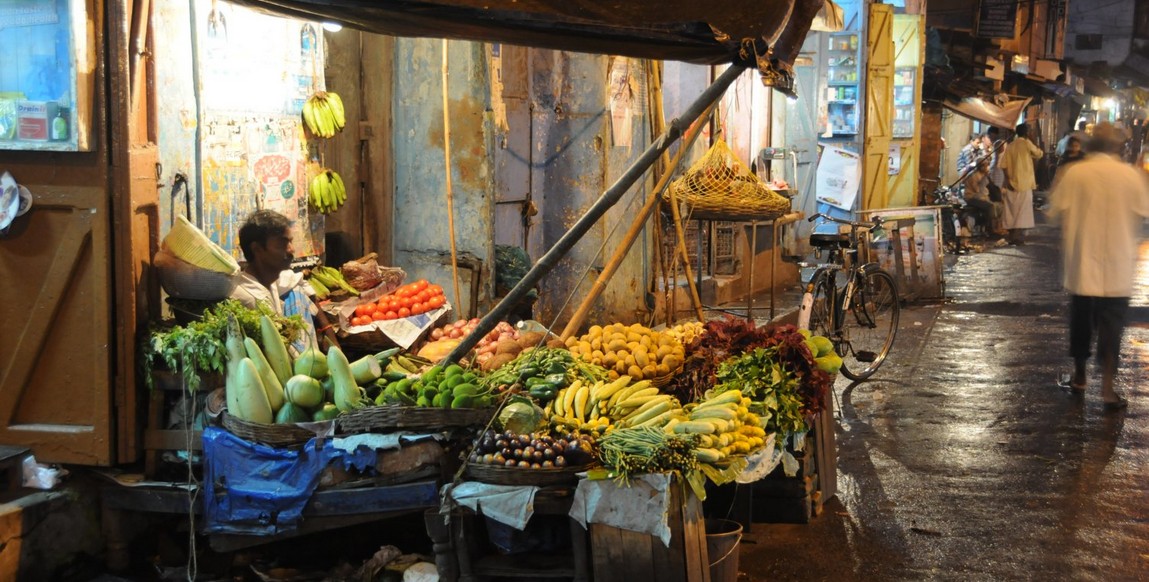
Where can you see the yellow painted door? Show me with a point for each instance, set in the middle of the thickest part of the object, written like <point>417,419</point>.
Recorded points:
<point>879,126</point>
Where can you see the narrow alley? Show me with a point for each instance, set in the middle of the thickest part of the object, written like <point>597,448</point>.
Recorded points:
<point>963,459</point>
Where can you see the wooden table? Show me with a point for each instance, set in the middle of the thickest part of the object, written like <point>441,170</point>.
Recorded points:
<point>459,554</point>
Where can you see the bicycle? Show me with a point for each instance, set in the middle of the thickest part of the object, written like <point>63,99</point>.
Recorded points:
<point>851,301</point>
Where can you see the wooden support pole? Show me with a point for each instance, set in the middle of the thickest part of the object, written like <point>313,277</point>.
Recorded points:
<point>608,199</point>
<point>636,227</point>
<point>685,258</point>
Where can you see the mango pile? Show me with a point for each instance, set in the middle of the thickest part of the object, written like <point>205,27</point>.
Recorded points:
<point>634,350</point>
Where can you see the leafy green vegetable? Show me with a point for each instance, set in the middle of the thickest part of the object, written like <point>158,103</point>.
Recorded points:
<point>198,348</point>
<point>776,392</point>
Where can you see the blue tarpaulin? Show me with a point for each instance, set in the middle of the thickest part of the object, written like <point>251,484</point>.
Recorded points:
<point>253,489</point>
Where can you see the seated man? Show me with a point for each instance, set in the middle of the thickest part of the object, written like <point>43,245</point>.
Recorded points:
<point>265,239</point>
<point>977,198</point>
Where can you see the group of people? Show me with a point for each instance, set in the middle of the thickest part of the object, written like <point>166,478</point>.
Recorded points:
<point>1100,201</point>
<point>1000,187</point>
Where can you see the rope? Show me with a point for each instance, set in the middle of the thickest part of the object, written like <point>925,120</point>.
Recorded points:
<point>450,189</point>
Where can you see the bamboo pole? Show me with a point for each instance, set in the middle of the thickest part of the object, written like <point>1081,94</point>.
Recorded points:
<point>636,227</point>
<point>685,257</point>
<point>608,199</point>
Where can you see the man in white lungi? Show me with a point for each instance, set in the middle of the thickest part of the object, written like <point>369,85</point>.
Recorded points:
<point>1017,191</point>
<point>1101,203</point>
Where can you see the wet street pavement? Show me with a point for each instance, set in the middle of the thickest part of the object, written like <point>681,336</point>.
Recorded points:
<point>963,460</point>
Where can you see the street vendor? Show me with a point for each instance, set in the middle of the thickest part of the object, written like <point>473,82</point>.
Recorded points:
<point>265,239</point>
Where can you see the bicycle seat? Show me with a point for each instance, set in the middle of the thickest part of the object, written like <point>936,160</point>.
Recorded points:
<point>822,240</point>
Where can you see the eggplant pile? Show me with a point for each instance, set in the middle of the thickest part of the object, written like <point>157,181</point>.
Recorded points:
<point>533,451</point>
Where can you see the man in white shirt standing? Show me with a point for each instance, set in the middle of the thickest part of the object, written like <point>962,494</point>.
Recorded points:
<point>1020,180</point>
<point>1101,203</point>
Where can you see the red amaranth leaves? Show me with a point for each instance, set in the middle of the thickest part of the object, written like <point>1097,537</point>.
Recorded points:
<point>731,337</point>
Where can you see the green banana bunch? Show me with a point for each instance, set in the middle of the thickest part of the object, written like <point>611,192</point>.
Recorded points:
<point>323,114</point>
<point>321,290</point>
<point>326,191</point>
<point>331,278</point>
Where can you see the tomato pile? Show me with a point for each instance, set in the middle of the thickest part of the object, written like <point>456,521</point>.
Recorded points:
<point>410,299</point>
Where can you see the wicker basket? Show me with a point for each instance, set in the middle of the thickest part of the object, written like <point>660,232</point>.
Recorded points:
<point>663,380</point>
<point>720,186</point>
<point>381,418</point>
<point>184,280</point>
<point>272,435</point>
<point>496,475</point>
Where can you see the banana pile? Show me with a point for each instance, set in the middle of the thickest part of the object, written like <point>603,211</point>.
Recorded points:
<point>323,114</point>
<point>326,192</point>
<point>724,424</point>
<point>604,405</point>
<point>635,350</point>
<point>686,333</point>
<point>326,279</point>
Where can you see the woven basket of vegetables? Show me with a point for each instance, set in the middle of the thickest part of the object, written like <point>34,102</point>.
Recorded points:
<point>497,475</point>
<point>272,435</point>
<point>384,418</point>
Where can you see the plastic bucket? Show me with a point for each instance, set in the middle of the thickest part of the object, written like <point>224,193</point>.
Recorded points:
<point>722,538</point>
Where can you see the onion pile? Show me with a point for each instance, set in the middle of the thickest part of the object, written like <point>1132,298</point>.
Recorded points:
<point>488,345</point>
<point>458,330</point>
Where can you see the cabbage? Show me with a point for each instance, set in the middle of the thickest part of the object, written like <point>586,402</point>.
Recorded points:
<point>521,417</point>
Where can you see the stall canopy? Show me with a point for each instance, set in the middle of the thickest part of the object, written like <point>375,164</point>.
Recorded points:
<point>764,34</point>
<point>1003,115</point>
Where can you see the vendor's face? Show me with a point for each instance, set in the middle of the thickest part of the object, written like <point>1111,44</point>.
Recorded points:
<point>1074,147</point>
<point>278,252</point>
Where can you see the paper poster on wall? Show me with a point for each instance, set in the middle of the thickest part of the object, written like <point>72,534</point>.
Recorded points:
<point>895,166</point>
<point>621,102</point>
<point>251,163</point>
<point>839,175</point>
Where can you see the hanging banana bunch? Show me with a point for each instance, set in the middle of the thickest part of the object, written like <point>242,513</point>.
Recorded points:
<point>326,192</point>
<point>323,114</point>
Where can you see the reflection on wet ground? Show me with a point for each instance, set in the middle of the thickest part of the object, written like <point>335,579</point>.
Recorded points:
<point>962,459</point>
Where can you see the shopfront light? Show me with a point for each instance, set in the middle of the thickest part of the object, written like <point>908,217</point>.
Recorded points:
<point>332,26</point>
<point>1111,104</point>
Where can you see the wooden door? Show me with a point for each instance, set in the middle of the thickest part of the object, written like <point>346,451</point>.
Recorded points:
<point>513,201</point>
<point>879,126</point>
<point>55,333</point>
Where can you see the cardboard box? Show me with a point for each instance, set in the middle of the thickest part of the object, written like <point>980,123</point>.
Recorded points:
<point>35,119</point>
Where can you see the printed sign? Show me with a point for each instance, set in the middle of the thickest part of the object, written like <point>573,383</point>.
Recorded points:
<point>839,175</point>
<point>997,19</point>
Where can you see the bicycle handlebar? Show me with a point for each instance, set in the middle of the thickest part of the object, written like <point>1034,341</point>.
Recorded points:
<point>877,221</point>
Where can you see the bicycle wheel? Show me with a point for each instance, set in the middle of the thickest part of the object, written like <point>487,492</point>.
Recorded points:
<point>869,324</point>
<point>821,322</point>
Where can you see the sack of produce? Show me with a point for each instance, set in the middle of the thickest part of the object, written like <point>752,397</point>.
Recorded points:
<point>184,280</point>
<point>190,244</point>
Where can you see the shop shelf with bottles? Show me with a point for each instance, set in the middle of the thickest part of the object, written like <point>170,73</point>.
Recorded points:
<point>842,84</point>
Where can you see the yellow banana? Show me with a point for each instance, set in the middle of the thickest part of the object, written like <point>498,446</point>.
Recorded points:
<point>558,402</point>
<point>581,397</point>
<point>337,112</point>
<point>568,401</point>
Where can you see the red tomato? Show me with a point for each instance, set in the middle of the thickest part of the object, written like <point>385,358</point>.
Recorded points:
<point>379,315</point>
<point>418,308</point>
<point>392,314</point>
<point>435,289</point>
<point>420,285</point>
<point>359,309</point>
<point>405,303</point>
<point>404,312</point>
<point>357,320</point>
<point>422,296</point>
<point>437,301</point>
<point>369,309</point>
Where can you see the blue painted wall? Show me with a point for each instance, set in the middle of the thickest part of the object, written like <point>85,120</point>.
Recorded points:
<point>421,233</point>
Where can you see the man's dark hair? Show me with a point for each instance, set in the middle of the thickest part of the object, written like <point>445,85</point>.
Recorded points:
<point>1107,139</point>
<point>260,226</point>
<point>993,130</point>
<point>1081,125</point>
<point>1022,130</point>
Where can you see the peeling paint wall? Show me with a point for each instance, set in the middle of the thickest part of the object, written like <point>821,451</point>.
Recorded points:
<point>421,233</point>
<point>176,115</point>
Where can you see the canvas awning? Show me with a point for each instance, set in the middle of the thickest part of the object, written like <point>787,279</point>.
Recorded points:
<point>757,33</point>
<point>1003,115</point>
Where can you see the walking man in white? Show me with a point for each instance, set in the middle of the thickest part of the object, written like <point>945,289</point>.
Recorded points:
<point>1101,203</point>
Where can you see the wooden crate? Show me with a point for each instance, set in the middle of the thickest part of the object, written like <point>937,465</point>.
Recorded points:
<point>781,499</point>
<point>619,555</point>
